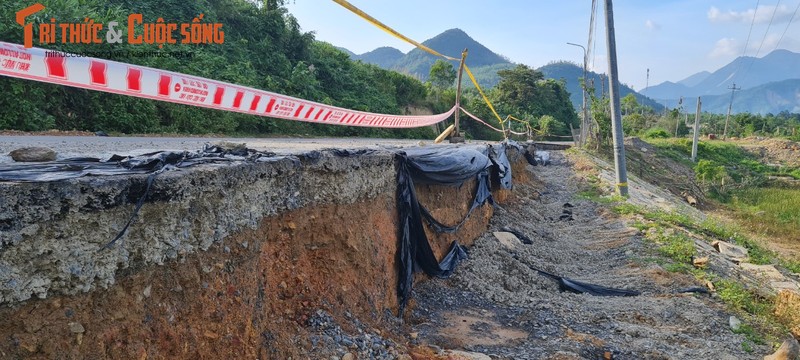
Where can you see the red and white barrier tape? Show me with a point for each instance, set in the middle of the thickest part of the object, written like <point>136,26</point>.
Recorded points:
<point>479,120</point>
<point>119,78</point>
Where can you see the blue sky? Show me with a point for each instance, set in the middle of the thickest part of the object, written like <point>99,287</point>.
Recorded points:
<point>673,38</point>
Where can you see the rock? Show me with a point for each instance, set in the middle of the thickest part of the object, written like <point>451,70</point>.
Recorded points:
<point>768,272</point>
<point>468,355</point>
<point>147,290</point>
<point>76,328</point>
<point>734,323</point>
<point>348,356</point>
<point>100,133</point>
<point>33,154</point>
<point>734,252</point>
<point>413,335</point>
<point>789,350</point>
<point>507,239</point>
<point>700,262</point>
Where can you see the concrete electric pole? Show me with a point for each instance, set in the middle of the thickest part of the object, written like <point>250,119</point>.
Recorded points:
<point>585,122</point>
<point>616,116</point>
<point>727,118</point>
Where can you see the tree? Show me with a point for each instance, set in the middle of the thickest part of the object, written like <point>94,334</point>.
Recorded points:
<point>442,75</point>
<point>629,103</point>
<point>524,91</point>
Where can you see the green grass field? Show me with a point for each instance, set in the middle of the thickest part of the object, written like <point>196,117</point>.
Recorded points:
<point>773,211</point>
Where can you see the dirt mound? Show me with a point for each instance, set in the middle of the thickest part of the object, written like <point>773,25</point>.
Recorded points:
<point>774,151</point>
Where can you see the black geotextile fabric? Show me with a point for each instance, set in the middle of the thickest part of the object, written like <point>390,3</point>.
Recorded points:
<point>126,165</point>
<point>443,166</point>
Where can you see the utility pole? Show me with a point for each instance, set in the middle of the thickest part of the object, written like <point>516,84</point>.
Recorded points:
<point>725,132</point>
<point>585,122</point>
<point>456,137</point>
<point>646,85</point>
<point>678,118</point>
<point>616,116</point>
<point>696,130</point>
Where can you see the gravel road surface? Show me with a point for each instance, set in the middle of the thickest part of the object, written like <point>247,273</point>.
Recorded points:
<point>103,147</point>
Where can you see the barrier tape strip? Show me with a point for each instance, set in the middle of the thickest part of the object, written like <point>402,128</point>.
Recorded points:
<point>479,120</point>
<point>389,30</point>
<point>139,81</point>
<point>485,99</point>
<point>400,36</point>
<point>528,127</point>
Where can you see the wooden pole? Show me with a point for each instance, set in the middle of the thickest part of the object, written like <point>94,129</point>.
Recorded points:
<point>456,135</point>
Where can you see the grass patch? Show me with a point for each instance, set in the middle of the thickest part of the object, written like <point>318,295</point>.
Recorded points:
<point>773,211</point>
<point>677,247</point>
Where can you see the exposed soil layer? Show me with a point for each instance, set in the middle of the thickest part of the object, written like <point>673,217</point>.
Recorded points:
<point>309,282</point>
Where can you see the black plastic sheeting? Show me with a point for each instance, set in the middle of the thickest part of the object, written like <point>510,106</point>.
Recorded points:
<point>127,165</point>
<point>579,287</point>
<point>151,163</point>
<point>449,166</point>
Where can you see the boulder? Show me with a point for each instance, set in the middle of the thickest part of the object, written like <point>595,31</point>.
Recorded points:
<point>33,154</point>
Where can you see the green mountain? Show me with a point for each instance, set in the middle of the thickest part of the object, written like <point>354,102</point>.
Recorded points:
<point>384,57</point>
<point>571,74</point>
<point>772,98</point>
<point>418,63</point>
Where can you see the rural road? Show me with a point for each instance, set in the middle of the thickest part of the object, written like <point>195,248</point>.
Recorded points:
<point>103,147</point>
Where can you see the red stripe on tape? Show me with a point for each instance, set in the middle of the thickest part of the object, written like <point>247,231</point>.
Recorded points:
<point>218,95</point>
<point>164,81</point>
<point>297,113</point>
<point>56,66</point>
<point>254,104</point>
<point>237,100</point>
<point>327,115</point>
<point>97,72</point>
<point>318,114</point>
<point>309,112</point>
<point>270,104</point>
<point>134,79</point>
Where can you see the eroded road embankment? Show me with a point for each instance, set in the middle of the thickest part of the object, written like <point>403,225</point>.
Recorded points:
<point>496,305</point>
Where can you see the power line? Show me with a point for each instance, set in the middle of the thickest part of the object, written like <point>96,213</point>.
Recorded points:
<point>764,38</point>
<point>593,30</point>
<point>787,26</point>
<point>747,42</point>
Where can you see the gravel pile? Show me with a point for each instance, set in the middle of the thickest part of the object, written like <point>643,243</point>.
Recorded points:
<point>329,338</point>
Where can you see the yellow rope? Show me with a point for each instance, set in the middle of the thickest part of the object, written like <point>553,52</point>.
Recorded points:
<point>400,36</point>
<point>389,30</point>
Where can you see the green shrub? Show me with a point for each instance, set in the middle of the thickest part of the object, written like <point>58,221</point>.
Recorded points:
<point>656,133</point>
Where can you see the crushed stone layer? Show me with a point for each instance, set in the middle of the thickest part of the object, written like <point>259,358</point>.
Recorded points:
<point>496,305</point>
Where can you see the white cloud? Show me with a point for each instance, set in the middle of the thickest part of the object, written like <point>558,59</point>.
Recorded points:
<point>652,25</point>
<point>782,14</point>
<point>726,47</point>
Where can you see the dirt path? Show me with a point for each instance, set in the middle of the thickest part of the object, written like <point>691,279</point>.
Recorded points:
<point>496,305</point>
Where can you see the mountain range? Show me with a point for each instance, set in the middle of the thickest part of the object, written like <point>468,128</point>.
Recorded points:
<point>770,84</point>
